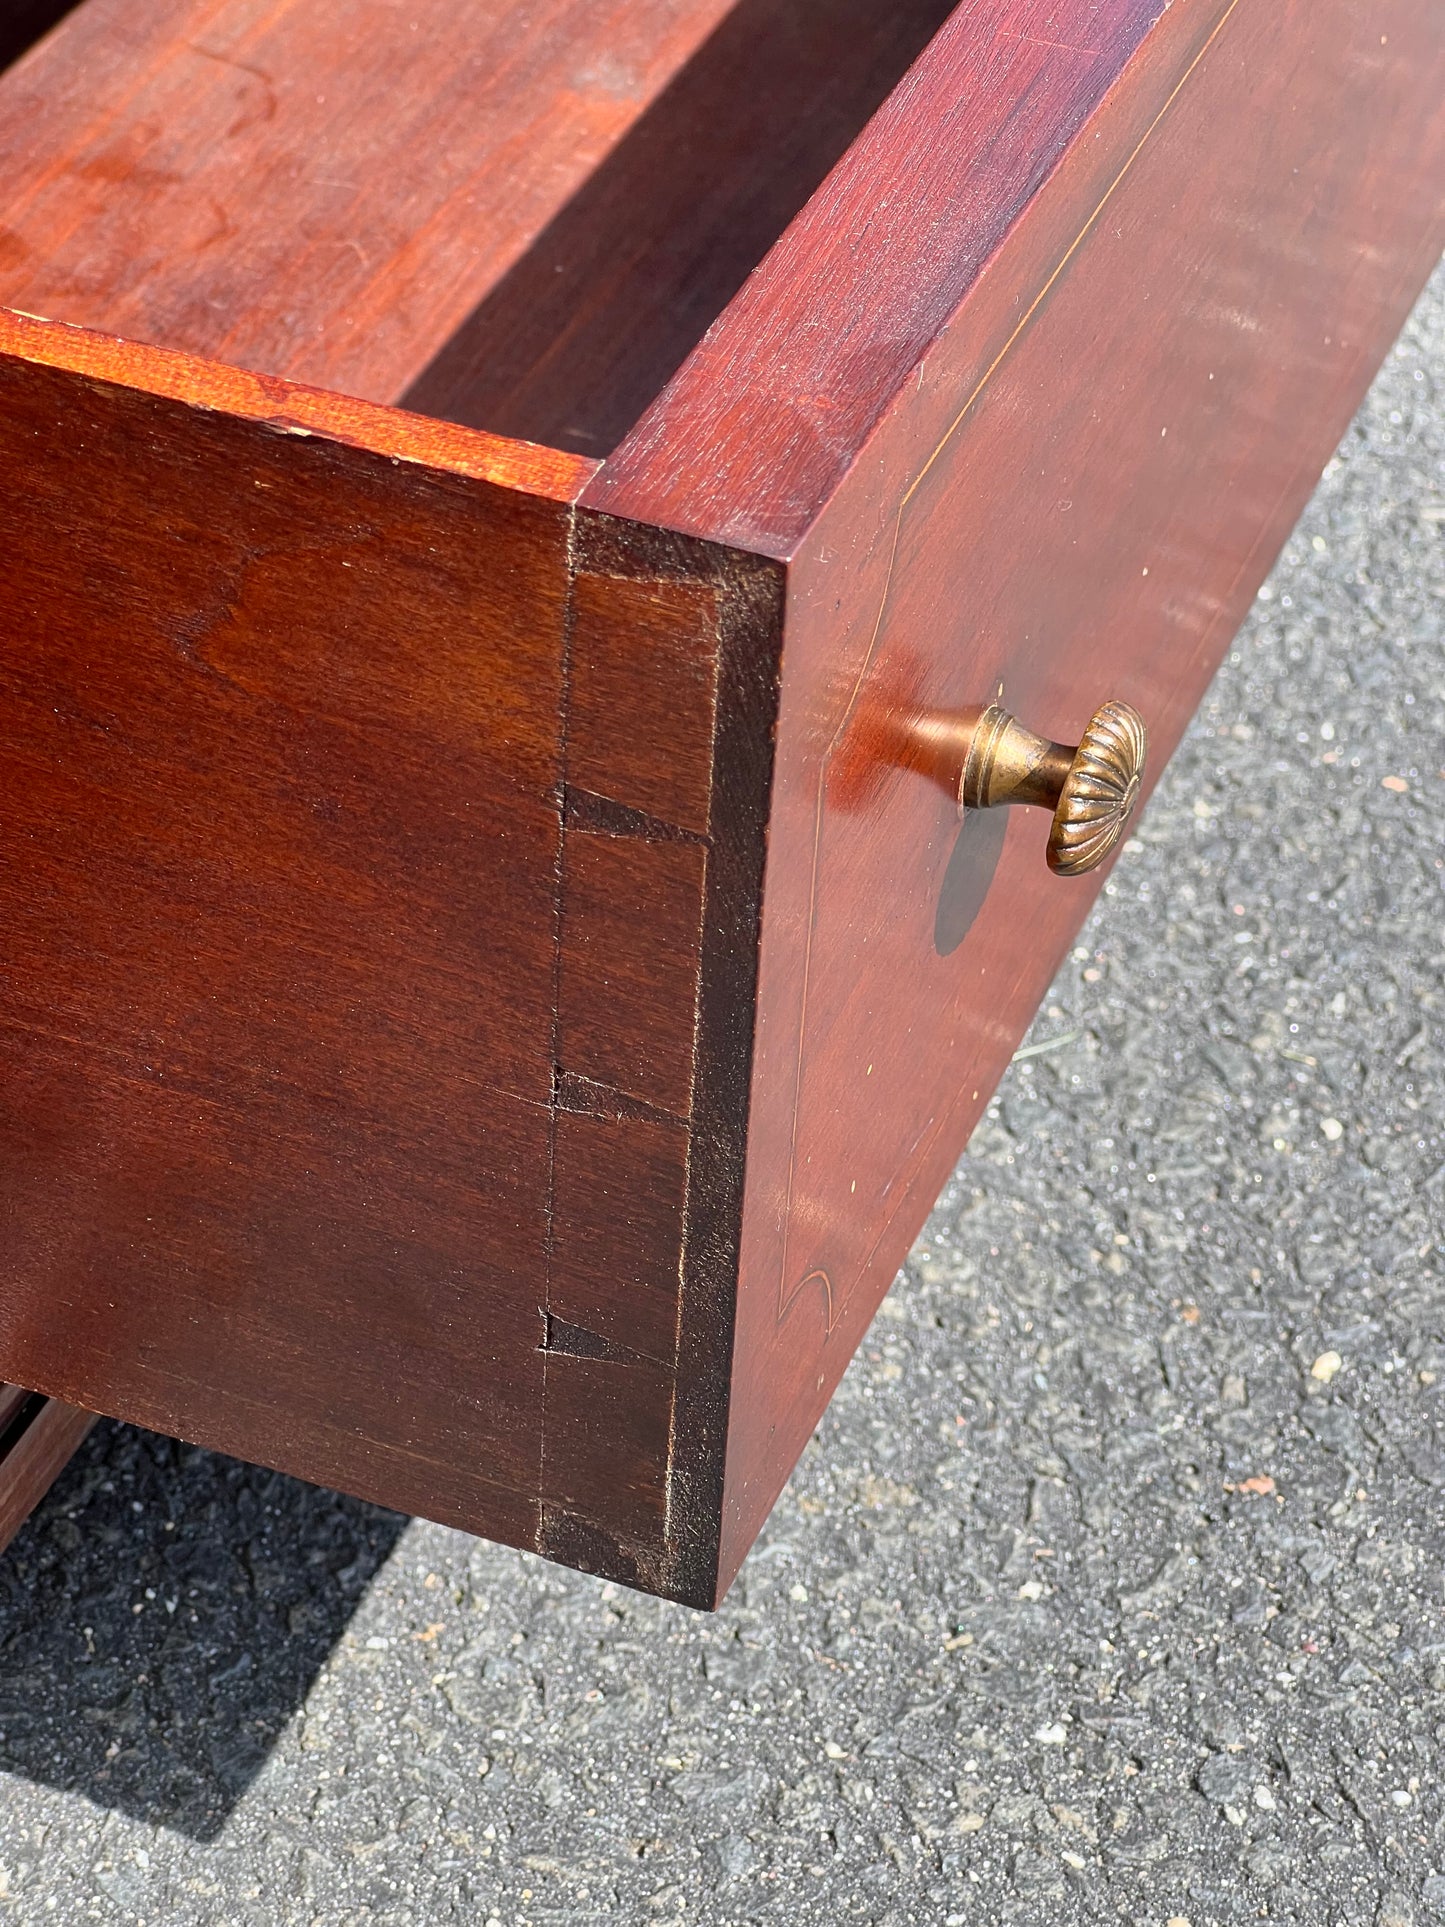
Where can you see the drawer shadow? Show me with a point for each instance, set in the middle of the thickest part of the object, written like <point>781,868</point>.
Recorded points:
<point>162,1618</point>
<point>572,345</point>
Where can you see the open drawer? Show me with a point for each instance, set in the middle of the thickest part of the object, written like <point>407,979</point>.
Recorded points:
<point>514,520</point>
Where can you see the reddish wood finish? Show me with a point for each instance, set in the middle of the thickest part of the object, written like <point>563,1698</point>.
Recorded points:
<point>351,1054</point>
<point>38,1437</point>
<point>324,193</point>
<point>286,408</point>
<point>579,337</point>
<point>760,426</point>
<point>484,1011</point>
<point>661,881</point>
<point>1076,495</point>
<point>279,730</point>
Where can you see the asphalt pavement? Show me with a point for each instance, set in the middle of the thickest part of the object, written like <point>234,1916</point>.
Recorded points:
<point>1113,1586</point>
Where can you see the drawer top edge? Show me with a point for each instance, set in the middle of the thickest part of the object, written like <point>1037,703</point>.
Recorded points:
<point>291,408</point>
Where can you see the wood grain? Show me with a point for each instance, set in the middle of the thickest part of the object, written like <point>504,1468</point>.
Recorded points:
<point>657,980</point>
<point>575,341</point>
<point>292,409</point>
<point>483,1008</point>
<point>642,706</point>
<point>1076,495</point>
<point>353,1119</point>
<point>765,418</point>
<point>279,721</point>
<point>321,193</point>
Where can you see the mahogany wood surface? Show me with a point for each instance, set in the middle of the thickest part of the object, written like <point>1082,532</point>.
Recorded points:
<point>357,1061</point>
<point>321,192</point>
<point>1074,495</point>
<point>573,343</point>
<point>761,424</point>
<point>661,882</point>
<point>483,1011</point>
<point>287,408</point>
<point>37,1439</point>
<point>279,730</point>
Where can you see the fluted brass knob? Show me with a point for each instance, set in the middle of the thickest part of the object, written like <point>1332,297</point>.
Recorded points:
<point>986,757</point>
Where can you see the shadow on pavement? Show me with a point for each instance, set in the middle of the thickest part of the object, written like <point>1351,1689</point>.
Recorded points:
<point>162,1618</point>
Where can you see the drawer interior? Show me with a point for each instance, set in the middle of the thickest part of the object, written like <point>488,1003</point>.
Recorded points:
<point>520,215</point>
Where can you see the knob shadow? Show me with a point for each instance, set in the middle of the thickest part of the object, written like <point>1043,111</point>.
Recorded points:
<point>970,872</point>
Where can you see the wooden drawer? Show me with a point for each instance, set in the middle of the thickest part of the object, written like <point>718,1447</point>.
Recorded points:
<point>37,1438</point>
<point>488,989</point>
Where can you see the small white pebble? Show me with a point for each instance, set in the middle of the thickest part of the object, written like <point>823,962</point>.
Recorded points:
<point>1031,1589</point>
<point>1400,1798</point>
<point>1332,1128</point>
<point>1264,1798</point>
<point>834,1751</point>
<point>798,1594</point>
<point>1055,1735</point>
<point>1325,1366</point>
<point>1234,1816</point>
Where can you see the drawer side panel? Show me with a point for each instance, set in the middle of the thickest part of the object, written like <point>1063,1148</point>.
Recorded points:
<point>279,741</point>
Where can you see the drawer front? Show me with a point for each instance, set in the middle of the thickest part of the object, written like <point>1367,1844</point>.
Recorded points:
<point>1124,444</point>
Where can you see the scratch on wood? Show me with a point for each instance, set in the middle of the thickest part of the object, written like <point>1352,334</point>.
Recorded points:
<point>1058,46</point>
<point>585,1097</point>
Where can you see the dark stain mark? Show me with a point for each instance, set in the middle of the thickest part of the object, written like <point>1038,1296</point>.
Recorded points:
<point>562,1340</point>
<point>264,109</point>
<point>14,251</point>
<point>118,167</point>
<point>600,816</point>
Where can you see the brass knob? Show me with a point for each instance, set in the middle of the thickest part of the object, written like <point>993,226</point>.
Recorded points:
<point>986,757</point>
